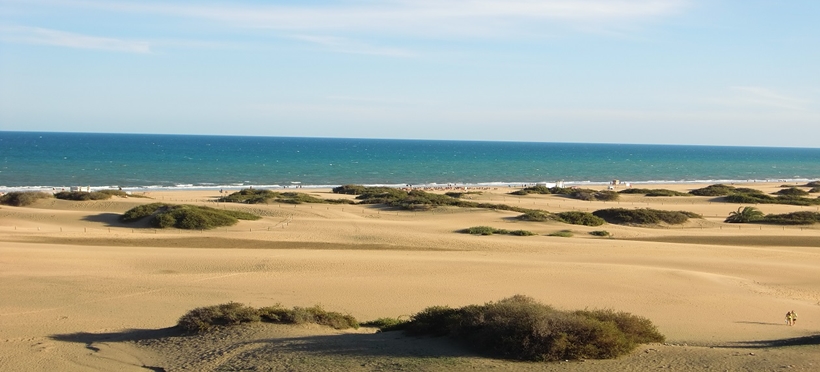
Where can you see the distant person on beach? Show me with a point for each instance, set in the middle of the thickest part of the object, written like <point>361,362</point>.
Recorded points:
<point>791,318</point>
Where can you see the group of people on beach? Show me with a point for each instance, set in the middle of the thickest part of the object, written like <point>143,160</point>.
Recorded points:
<point>791,318</point>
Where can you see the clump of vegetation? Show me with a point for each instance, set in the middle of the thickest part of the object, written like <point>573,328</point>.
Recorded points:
<point>743,198</point>
<point>592,195</point>
<point>93,195</point>
<point>22,199</point>
<point>813,184</point>
<point>714,190</point>
<point>814,189</point>
<point>654,192</point>
<point>794,218</point>
<point>209,317</point>
<point>536,216</point>
<point>487,230</point>
<point>538,189</point>
<point>191,217</point>
<point>521,328</point>
<point>645,216</point>
<point>600,233</point>
<point>264,196</point>
<point>580,218</point>
<point>459,194</point>
<point>792,191</point>
<point>562,234</point>
<point>386,324</point>
<point>744,215</point>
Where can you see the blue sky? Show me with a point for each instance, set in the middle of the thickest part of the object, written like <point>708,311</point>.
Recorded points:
<point>602,71</point>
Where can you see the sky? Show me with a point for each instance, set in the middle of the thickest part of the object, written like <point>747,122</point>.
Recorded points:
<point>702,72</point>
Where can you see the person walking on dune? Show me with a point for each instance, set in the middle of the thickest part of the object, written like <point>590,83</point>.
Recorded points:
<point>791,318</point>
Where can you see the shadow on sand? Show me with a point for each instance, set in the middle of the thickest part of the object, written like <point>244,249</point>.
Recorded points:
<point>122,336</point>
<point>113,220</point>
<point>783,342</point>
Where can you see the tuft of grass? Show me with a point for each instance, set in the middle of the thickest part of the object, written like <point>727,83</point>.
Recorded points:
<point>94,195</point>
<point>459,194</point>
<point>22,199</point>
<point>536,216</point>
<point>654,192</point>
<point>533,190</point>
<point>191,217</point>
<point>580,218</point>
<point>794,218</point>
<point>487,230</point>
<point>600,233</point>
<point>792,191</point>
<point>592,195</point>
<point>562,233</point>
<point>714,190</point>
<point>264,196</point>
<point>521,328</point>
<point>645,216</point>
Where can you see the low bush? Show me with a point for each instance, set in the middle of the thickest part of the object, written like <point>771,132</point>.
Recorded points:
<point>813,184</point>
<point>487,230</point>
<point>714,190</point>
<point>386,324</point>
<point>592,195</point>
<point>521,328</point>
<point>792,191</point>
<point>206,318</point>
<point>815,189</point>
<point>22,199</point>
<point>264,196</point>
<point>654,192</point>
<point>533,190</point>
<point>768,199</point>
<point>644,216</point>
<point>562,234</point>
<point>191,217</point>
<point>536,216</point>
<point>794,218</point>
<point>459,194</point>
<point>580,218</point>
<point>94,195</point>
<point>599,233</point>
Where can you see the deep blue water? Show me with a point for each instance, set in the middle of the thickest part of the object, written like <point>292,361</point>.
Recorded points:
<point>133,161</point>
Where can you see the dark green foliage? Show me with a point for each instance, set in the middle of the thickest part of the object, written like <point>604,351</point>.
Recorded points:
<point>536,216</point>
<point>644,216</point>
<point>487,230</point>
<point>562,234</point>
<point>580,218</point>
<point>792,191</point>
<point>714,190</point>
<point>533,190</point>
<point>744,215</point>
<point>654,192</point>
<point>768,199</point>
<point>263,196</point>
<point>521,328</point>
<point>22,199</point>
<point>815,189</point>
<point>204,318</point>
<point>794,218</point>
<point>599,233</point>
<point>94,195</point>
<point>459,194</point>
<point>386,324</point>
<point>191,217</point>
<point>592,195</point>
<point>352,189</point>
<point>813,184</point>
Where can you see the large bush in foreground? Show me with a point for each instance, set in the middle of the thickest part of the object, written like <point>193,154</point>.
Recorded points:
<point>22,199</point>
<point>521,328</point>
<point>191,217</point>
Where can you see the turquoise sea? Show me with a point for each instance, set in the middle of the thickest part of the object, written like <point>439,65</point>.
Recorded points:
<point>32,160</point>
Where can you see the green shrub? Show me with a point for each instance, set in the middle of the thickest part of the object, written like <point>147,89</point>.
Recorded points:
<point>599,233</point>
<point>263,196</point>
<point>591,195</point>
<point>22,199</point>
<point>487,230</point>
<point>562,234</point>
<point>191,217</point>
<point>536,216</point>
<point>204,318</point>
<point>580,218</point>
<point>83,196</point>
<point>714,190</point>
<point>521,328</point>
<point>644,216</point>
<point>538,189</point>
<point>459,194</point>
<point>813,184</point>
<point>792,191</point>
<point>521,233</point>
<point>794,218</point>
<point>768,199</point>
<point>387,324</point>
<point>304,315</point>
<point>654,192</point>
<point>744,215</point>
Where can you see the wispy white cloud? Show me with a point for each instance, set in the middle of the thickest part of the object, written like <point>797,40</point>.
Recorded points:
<point>760,96</point>
<point>45,36</point>
<point>344,45</point>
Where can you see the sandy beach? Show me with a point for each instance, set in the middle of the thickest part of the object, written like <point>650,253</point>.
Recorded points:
<point>82,291</point>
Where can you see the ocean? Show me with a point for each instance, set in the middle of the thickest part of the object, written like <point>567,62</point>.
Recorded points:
<point>45,160</point>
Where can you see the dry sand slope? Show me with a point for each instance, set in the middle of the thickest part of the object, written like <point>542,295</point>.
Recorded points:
<point>81,291</point>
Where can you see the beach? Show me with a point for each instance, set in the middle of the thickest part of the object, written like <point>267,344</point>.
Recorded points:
<point>82,291</point>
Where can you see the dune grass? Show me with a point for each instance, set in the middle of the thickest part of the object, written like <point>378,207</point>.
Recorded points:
<point>23,198</point>
<point>93,195</point>
<point>264,196</point>
<point>190,217</point>
<point>580,218</point>
<point>600,233</point>
<point>654,192</point>
<point>562,234</point>
<point>487,230</point>
<point>645,216</point>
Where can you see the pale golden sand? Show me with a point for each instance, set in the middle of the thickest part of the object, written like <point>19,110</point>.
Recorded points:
<point>76,284</point>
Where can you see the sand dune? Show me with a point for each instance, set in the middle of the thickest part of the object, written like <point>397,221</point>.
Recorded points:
<point>82,291</point>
